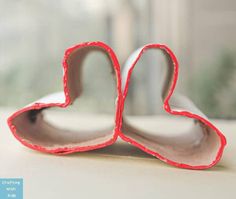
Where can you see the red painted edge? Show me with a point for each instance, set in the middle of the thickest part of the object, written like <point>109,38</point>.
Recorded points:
<point>119,109</point>
<point>168,110</point>
<point>67,150</point>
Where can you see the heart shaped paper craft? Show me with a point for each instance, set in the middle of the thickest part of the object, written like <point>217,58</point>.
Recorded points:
<point>203,150</point>
<point>199,148</point>
<point>31,129</point>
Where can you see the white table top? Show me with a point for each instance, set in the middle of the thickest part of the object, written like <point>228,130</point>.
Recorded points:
<point>118,171</point>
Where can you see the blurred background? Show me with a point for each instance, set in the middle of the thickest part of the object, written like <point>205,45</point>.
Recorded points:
<point>35,34</point>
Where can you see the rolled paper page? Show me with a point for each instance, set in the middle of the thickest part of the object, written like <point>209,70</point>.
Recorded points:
<point>199,147</point>
<point>31,128</point>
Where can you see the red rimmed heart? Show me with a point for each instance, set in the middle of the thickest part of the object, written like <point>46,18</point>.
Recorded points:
<point>200,147</point>
<point>202,151</point>
<point>32,130</point>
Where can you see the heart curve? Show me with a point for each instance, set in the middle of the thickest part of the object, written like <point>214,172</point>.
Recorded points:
<point>207,148</point>
<point>28,125</point>
<point>204,153</point>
